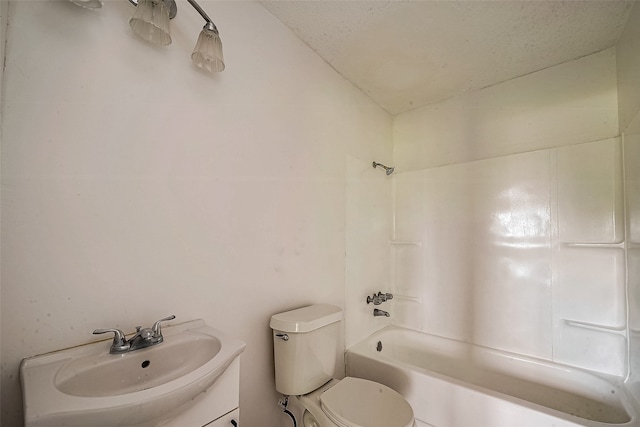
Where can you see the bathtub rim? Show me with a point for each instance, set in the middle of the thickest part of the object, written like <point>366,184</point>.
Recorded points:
<point>366,348</point>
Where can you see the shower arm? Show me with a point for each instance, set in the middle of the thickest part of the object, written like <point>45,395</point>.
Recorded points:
<point>388,169</point>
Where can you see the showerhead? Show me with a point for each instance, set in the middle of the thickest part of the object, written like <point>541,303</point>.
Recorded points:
<point>388,170</point>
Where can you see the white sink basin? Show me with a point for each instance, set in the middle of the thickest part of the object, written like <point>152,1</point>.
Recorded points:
<point>86,385</point>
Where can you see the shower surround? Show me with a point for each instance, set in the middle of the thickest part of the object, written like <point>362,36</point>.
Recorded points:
<point>509,215</point>
<point>530,254</point>
<point>515,232</point>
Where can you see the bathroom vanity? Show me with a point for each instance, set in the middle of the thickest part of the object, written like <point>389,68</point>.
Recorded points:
<point>189,379</point>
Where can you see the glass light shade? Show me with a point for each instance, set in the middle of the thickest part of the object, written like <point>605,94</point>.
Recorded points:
<point>208,51</point>
<point>89,4</point>
<point>151,21</point>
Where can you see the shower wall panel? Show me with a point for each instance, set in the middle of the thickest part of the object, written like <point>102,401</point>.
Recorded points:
<point>367,227</point>
<point>590,203</point>
<point>408,248</point>
<point>523,253</point>
<point>590,291</point>
<point>632,192</point>
<point>484,274</point>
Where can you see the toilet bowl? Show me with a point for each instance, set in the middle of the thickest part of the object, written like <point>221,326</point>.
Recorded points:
<point>355,402</point>
<point>305,352</point>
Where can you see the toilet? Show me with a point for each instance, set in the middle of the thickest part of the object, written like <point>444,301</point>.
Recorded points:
<point>305,348</point>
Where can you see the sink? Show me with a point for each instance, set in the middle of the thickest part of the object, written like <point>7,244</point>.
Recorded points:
<point>108,375</point>
<point>86,385</point>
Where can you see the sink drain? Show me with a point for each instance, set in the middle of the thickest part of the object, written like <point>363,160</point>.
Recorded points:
<point>145,364</point>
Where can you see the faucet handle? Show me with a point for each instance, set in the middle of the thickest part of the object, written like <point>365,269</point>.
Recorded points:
<point>143,333</point>
<point>379,298</point>
<point>119,341</point>
<point>157,330</point>
<point>375,299</point>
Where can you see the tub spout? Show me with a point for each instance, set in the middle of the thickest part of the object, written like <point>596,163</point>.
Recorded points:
<point>378,312</point>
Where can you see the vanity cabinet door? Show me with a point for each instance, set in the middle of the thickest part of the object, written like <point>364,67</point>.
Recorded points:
<point>227,420</point>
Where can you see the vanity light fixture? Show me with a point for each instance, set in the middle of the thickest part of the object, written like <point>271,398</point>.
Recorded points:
<point>150,21</point>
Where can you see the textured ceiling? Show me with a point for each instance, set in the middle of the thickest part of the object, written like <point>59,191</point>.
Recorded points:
<point>406,54</point>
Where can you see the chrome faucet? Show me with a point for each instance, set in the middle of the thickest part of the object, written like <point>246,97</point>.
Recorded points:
<point>378,312</point>
<point>144,337</point>
<point>379,298</point>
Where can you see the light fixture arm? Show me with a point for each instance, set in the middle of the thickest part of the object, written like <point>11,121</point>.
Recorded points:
<point>173,10</point>
<point>209,25</point>
<point>171,5</point>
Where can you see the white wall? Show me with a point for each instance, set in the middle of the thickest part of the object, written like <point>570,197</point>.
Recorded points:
<point>509,217</point>
<point>135,186</point>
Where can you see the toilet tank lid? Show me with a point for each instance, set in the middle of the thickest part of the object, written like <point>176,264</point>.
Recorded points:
<point>306,319</point>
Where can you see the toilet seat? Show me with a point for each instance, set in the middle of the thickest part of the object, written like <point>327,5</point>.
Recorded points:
<point>355,402</point>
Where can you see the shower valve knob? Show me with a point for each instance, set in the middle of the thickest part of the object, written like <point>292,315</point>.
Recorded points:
<point>379,298</point>
<point>375,299</point>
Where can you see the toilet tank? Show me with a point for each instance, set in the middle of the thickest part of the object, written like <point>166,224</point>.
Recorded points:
<point>305,347</point>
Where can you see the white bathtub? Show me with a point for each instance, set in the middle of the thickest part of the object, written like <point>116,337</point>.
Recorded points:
<point>454,384</point>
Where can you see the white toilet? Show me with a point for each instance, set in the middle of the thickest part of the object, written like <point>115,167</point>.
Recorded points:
<point>305,348</point>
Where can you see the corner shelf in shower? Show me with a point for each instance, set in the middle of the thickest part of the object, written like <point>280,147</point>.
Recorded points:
<point>405,242</point>
<point>596,327</point>
<point>592,245</point>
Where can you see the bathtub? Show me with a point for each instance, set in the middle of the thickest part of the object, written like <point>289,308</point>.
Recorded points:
<point>454,384</point>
